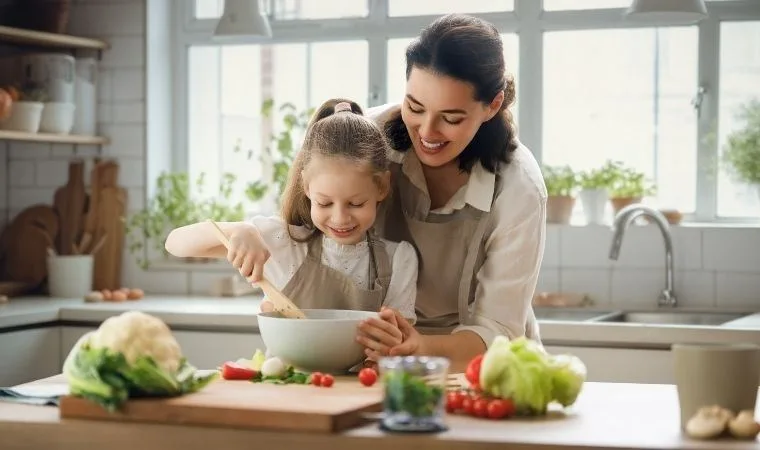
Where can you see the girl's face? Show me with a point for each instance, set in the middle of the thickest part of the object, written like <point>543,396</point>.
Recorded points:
<point>442,116</point>
<point>344,197</point>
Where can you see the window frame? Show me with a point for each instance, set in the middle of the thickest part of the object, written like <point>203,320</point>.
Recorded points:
<point>527,19</point>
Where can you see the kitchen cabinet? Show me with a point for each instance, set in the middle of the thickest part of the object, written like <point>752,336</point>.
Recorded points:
<point>28,355</point>
<point>204,349</point>
<point>622,365</point>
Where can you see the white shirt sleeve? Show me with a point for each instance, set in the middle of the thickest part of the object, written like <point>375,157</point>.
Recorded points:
<point>514,251</point>
<point>286,255</point>
<point>402,290</point>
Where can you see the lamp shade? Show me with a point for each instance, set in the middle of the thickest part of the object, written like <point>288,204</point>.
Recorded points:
<point>670,11</point>
<point>242,18</point>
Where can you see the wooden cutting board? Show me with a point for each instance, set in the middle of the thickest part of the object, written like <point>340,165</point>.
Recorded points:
<point>242,404</point>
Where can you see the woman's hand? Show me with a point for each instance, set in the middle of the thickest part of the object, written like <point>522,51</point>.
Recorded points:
<point>266,306</point>
<point>389,335</point>
<point>247,253</point>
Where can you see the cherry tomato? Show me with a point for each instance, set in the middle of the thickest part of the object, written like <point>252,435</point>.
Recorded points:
<point>454,401</point>
<point>467,405</point>
<point>367,376</point>
<point>327,380</point>
<point>499,408</point>
<point>316,378</point>
<point>472,373</point>
<point>480,408</point>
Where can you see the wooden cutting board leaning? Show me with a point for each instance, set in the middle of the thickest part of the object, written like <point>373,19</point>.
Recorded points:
<point>243,404</point>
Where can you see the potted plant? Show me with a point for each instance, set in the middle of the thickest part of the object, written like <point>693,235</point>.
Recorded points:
<point>630,186</point>
<point>595,185</point>
<point>174,205</point>
<point>277,157</point>
<point>741,153</point>
<point>561,182</point>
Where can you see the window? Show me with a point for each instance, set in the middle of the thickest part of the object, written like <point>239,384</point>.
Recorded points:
<point>292,9</point>
<point>739,83</point>
<point>608,88</point>
<point>396,64</point>
<point>631,102</point>
<point>229,84</point>
<point>426,7</point>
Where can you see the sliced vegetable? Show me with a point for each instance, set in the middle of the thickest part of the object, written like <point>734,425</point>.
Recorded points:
<point>235,371</point>
<point>258,360</point>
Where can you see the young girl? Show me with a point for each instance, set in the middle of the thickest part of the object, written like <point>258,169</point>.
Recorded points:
<point>321,252</point>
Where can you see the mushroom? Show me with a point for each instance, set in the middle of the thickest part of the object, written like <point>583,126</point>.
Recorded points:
<point>94,297</point>
<point>708,422</point>
<point>744,425</point>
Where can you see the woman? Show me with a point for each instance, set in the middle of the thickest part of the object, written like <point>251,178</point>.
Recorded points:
<point>466,193</point>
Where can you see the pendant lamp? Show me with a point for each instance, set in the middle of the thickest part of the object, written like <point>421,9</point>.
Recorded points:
<point>242,18</point>
<point>667,11</point>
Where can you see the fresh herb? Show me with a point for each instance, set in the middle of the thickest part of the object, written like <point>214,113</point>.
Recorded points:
<point>291,376</point>
<point>405,392</point>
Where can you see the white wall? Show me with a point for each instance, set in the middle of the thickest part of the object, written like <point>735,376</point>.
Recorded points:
<point>716,265</point>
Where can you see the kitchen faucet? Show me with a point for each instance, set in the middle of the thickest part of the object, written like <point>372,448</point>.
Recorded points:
<point>623,219</point>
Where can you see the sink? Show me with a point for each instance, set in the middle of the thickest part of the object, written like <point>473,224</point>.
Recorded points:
<point>568,315</point>
<point>674,317</point>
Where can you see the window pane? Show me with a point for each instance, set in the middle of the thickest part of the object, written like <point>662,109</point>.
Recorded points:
<point>739,83</point>
<point>292,9</point>
<point>228,84</point>
<point>565,5</point>
<point>320,9</point>
<point>420,7</point>
<point>396,63</point>
<point>624,95</point>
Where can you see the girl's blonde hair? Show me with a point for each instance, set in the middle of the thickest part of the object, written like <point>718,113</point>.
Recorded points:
<point>346,134</point>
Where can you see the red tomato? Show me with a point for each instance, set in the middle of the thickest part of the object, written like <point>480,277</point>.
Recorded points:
<point>480,408</point>
<point>472,373</point>
<point>234,371</point>
<point>327,380</point>
<point>316,378</point>
<point>467,405</point>
<point>454,401</point>
<point>367,376</point>
<point>499,408</point>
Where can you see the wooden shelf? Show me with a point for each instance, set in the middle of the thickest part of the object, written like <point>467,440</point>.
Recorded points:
<point>52,138</point>
<point>41,38</point>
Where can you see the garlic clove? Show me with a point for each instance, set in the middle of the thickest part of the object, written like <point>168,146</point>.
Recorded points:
<point>708,422</point>
<point>744,425</point>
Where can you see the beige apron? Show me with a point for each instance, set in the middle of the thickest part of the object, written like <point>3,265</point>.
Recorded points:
<point>318,286</point>
<point>454,251</point>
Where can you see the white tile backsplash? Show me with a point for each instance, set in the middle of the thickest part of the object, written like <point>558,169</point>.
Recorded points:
<point>713,265</point>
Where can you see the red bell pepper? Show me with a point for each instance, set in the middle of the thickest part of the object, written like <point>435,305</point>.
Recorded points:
<point>234,371</point>
<point>472,373</point>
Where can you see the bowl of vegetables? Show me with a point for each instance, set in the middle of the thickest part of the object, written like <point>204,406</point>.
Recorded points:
<point>325,341</point>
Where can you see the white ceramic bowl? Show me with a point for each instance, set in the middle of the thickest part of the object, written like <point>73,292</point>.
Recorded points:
<point>325,341</point>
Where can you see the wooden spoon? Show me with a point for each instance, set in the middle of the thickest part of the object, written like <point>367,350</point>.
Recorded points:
<point>282,304</point>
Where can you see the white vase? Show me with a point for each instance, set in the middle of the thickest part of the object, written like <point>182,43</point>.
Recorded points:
<point>594,203</point>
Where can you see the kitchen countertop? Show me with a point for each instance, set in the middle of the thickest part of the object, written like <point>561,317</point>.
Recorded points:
<point>606,416</point>
<point>238,314</point>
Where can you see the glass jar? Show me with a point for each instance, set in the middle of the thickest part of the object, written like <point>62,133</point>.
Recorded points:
<point>414,393</point>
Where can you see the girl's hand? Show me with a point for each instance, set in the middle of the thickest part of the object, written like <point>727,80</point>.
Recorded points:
<point>386,335</point>
<point>247,253</point>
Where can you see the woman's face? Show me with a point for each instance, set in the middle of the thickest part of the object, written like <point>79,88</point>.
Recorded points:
<point>442,115</point>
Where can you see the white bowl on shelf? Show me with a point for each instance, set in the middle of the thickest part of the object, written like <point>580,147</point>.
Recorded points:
<point>25,116</point>
<point>57,118</point>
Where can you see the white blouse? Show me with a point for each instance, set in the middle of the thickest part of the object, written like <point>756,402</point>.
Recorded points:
<point>287,255</point>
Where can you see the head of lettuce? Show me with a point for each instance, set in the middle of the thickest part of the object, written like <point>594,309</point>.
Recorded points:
<point>130,355</point>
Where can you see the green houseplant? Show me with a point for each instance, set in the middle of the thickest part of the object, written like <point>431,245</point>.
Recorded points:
<point>630,186</point>
<point>279,154</point>
<point>561,183</point>
<point>176,204</point>
<point>741,153</point>
<point>595,185</point>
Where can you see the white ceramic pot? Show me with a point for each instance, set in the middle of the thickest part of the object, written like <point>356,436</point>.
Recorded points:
<point>70,276</point>
<point>594,203</point>
<point>57,118</point>
<point>25,116</point>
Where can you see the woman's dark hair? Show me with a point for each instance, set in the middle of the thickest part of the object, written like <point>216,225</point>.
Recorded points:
<point>468,49</point>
